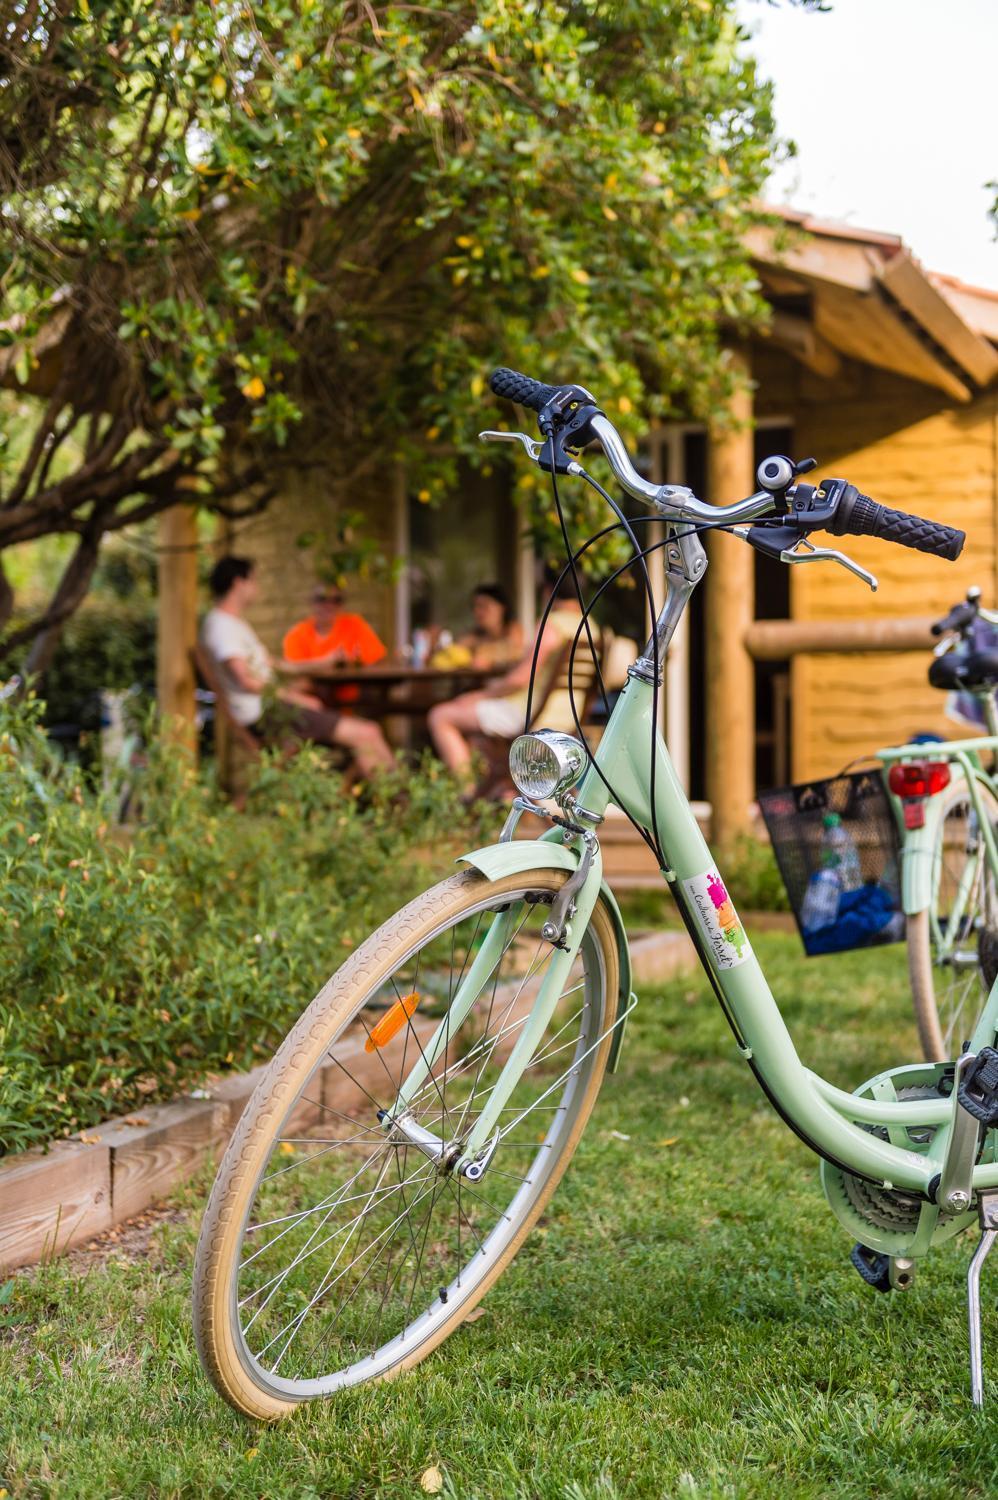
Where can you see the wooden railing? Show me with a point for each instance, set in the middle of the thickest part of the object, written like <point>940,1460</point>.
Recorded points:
<point>776,640</point>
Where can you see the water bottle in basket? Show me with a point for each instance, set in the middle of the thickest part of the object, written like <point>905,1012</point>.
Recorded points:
<point>840,872</point>
<point>821,900</point>
<point>838,852</point>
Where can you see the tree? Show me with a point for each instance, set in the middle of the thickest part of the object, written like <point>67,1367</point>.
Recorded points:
<point>233,229</point>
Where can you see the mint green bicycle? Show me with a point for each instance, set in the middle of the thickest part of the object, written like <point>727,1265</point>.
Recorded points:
<point>417,1119</point>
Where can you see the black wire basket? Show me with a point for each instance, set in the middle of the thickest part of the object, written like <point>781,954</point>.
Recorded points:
<point>836,844</point>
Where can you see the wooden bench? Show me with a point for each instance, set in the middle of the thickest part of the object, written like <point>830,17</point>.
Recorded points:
<point>235,744</point>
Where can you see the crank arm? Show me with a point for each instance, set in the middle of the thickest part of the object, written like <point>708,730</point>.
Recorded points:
<point>955,1189</point>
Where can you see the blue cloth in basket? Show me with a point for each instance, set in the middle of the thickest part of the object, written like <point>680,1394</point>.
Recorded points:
<point>862,914</point>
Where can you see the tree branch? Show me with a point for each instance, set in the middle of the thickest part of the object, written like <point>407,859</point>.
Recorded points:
<point>44,632</point>
<point>6,597</point>
<point>43,432</point>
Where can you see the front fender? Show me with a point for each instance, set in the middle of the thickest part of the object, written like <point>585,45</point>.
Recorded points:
<point>517,857</point>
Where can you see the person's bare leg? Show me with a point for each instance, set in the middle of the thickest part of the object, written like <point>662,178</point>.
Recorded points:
<point>448,724</point>
<point>366,743</point>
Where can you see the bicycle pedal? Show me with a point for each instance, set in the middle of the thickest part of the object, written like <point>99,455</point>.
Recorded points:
<point>874,1268</point>
<point>978,1090</point>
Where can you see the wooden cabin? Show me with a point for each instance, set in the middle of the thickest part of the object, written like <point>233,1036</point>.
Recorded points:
<point>888,376</point>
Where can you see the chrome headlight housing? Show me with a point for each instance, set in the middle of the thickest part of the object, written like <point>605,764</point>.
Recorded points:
<point>546,763</point>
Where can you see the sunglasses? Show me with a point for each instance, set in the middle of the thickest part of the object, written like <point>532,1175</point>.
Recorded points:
<point>334,599</point>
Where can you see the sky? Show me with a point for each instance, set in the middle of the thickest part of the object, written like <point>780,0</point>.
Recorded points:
<point>893,105</point>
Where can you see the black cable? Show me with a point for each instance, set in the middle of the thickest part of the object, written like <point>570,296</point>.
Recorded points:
<point>637,557</point>
<point>578,585</point>
<point>596,537</point>
<point>645,552</point>
<point>654,843</point>
<point>650,595</point>
<point>574,558</point>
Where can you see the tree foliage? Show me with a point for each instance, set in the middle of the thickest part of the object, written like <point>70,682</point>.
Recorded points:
<point>242,235</point>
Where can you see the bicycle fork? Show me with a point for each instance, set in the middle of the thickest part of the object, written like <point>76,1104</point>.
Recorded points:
<point>470,1156</point>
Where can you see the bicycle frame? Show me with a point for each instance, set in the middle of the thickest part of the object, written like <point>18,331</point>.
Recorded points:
<point>834,1123</point>
<point>827,1118</point>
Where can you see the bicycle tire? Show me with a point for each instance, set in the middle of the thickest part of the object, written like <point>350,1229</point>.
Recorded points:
<point>946,1004</point>
<point>222,1343</point>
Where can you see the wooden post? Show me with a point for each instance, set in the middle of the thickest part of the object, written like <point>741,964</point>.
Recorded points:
<point>177,621</point>
<point>526,580</point>
<point>730,610</point>
<point>402,596</point>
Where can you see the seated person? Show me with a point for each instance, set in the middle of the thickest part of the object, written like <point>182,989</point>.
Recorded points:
<point>500,708</point>
<point>497,639</point>
<point>246,669</point>
<point>331,636</point>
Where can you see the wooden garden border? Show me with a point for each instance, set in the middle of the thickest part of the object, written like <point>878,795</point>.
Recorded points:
<point>54,1200</point>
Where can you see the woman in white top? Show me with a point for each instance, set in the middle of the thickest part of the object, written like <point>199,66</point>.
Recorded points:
<point>246,669</point>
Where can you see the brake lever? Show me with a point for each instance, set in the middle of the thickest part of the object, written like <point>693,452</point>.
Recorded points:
<point>532,445</point>
<point>826,554</point>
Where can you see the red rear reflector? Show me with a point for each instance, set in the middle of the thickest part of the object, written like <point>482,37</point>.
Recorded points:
<point>914,813</point>
<point>918,778</point>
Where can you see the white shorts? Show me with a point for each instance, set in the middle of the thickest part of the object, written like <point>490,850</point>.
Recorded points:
<point>502,717</point>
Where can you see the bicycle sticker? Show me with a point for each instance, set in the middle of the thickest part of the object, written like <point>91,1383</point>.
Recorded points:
<point>718,919</point>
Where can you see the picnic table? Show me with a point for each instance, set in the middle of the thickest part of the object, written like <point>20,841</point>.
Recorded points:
<point>388,688</point>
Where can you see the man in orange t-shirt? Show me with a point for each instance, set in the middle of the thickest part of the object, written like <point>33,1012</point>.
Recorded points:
<point>332,636</point>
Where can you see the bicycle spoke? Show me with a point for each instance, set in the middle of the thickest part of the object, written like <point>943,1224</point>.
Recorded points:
<point>365,1234</point>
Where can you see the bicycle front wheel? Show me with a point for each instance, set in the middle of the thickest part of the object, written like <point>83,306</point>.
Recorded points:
<point>948,977</point>
<point>337,1249</point>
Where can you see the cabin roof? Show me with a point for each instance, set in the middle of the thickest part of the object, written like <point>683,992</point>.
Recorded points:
<point>840,290</point>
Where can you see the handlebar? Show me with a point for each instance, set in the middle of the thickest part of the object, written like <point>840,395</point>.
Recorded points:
<point>962,616</point>
<point>837,506</point>
<point>673,500</point>
<point>959,617</point>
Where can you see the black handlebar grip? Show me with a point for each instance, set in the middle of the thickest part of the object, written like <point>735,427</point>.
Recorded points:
<point>521,389</point>
<point>959,617</point>
<point>858,515</point>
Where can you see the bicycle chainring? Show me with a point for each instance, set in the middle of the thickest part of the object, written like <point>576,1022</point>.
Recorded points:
<point>887,1208</point>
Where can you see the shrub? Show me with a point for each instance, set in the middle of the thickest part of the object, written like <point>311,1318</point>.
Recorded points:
<point>107,644</point>
<point>132,969</point>
<point>753,877</point>
<point>110,644</point>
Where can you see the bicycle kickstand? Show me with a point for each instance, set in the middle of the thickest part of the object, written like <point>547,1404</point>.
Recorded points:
<point>988,1208</point>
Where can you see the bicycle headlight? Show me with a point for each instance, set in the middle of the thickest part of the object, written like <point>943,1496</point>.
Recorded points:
<point>545,763</point>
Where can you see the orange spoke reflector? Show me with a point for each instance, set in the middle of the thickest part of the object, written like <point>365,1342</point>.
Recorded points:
<point>392,1022</point>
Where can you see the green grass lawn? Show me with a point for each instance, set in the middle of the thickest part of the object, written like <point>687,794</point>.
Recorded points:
<point>685,1321</point>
